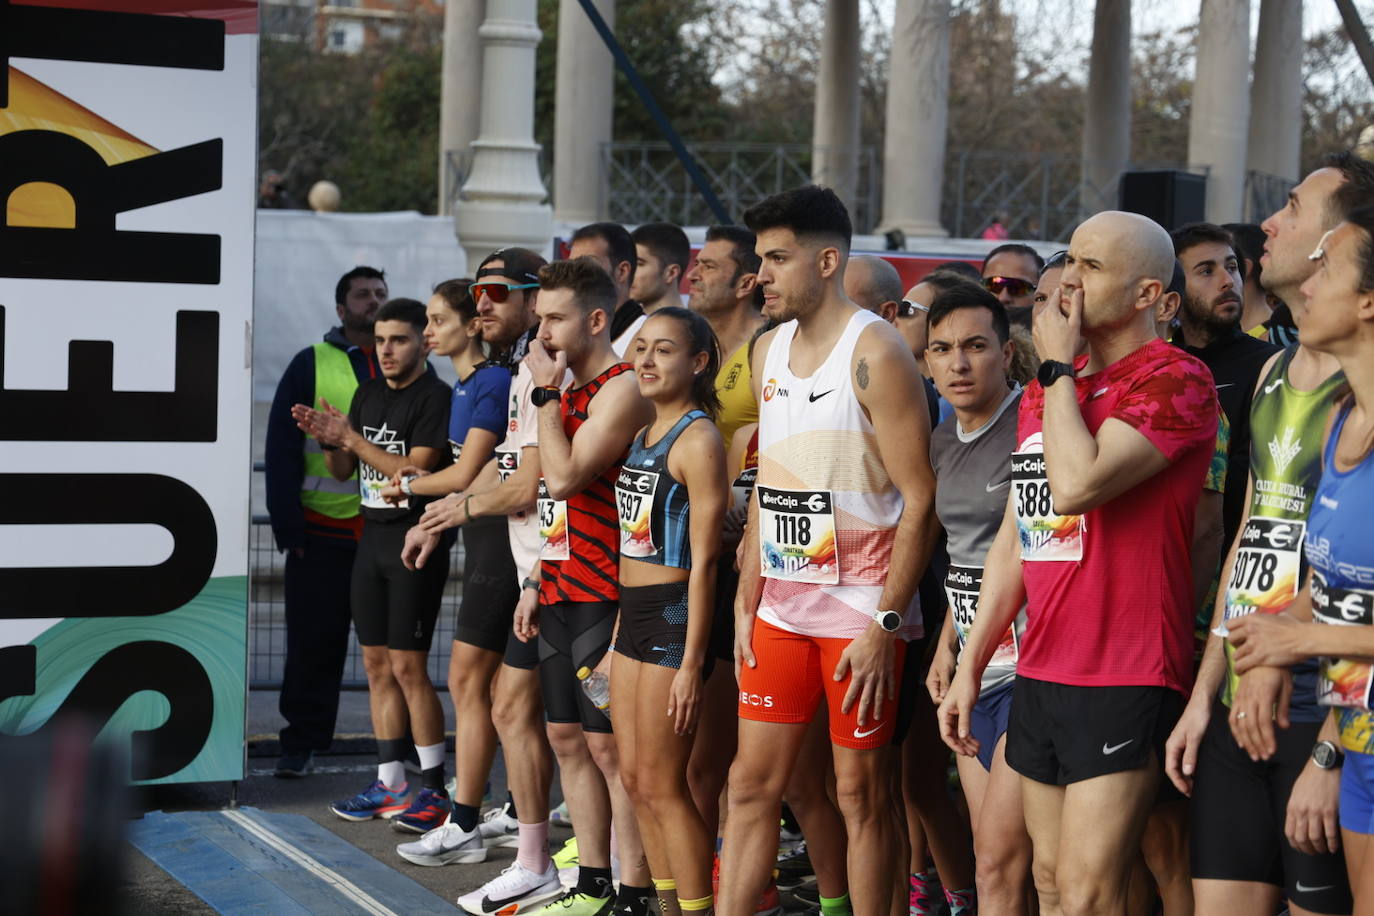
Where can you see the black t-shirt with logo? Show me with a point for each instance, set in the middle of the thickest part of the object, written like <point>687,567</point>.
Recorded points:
<point>399,421</point>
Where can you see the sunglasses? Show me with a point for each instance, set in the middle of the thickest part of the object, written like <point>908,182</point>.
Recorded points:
<point>1014,285</point>
<point>908,309</point>
<point>496,292</point>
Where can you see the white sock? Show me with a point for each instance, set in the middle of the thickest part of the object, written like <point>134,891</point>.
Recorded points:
<point>392,774</point>
<point>431,755</point>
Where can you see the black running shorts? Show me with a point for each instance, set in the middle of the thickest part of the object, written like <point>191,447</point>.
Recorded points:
<point>1060,734</point>
<point>722,642</point>
<point>491,586</point>
<point>1239,810</point>
<point>573,635</point>
<point>653,626</point>
<point>394,606</point>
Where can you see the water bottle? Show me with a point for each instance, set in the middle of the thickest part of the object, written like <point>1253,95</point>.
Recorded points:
<point>597,687</point>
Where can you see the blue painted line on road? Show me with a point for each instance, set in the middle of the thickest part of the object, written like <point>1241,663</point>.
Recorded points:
<point>244,860</point>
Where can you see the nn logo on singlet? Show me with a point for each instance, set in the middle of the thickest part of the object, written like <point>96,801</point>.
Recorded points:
<point>771,388</point>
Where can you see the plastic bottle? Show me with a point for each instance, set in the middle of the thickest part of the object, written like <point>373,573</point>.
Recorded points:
<point>597,687</point>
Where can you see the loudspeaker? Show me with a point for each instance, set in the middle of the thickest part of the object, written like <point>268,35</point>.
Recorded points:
<point>1167,196</point>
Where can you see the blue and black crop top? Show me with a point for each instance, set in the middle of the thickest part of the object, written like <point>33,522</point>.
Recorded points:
<point>652,505</point>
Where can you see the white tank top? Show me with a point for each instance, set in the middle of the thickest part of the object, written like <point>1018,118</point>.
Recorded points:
<point>828,510</point>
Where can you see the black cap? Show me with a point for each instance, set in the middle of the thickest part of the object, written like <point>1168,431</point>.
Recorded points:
<point>517,263</point>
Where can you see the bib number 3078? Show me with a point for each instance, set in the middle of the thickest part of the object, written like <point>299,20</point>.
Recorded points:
<point>797,535</point>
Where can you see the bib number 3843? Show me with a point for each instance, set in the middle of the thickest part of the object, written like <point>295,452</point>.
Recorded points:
<point>553,524</point>
<point>797,535</point>
<point>1045,534</point>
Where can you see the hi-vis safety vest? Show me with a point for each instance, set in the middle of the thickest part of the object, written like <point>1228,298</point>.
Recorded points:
<point>335,382</point>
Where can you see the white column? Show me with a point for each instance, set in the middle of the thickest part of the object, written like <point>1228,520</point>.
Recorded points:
<point>917,118</point>
<point>835,130</point>
<point>1107,116</point>
<point>1276,93</point>
<point>502,201</point>
<point>460,90</point>
<point>582,115</point>
<point>1218,127</point>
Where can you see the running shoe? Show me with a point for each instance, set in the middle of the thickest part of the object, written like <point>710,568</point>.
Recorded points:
<point>515,890</point>
<point>374,801</point>
<point>448,844</point>
<point>427,810</point>
<point>294,765</point>
<point>927,897</point>
<point>498,828</point>
<point>566,861</point>
<point>559,816</point>
<point>574,904</point>
<point>794,868</point>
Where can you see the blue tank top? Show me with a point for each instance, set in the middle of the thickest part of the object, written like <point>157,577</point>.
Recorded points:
<point>652,505</point>
<point>1341,555</point>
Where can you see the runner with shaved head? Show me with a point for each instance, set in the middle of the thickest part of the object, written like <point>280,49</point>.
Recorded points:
<point>1112,447</point>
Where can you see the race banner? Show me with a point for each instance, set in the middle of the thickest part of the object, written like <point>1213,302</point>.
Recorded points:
<point>127,171</point>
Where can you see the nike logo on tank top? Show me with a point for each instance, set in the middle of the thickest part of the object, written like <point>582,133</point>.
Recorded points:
<point>828,510</point>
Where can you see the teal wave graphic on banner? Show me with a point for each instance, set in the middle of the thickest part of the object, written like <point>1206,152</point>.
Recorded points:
<point>212,627</point>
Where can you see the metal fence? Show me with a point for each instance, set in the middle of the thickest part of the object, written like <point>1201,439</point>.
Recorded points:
<point>645,182</point>
<point>267,617</point>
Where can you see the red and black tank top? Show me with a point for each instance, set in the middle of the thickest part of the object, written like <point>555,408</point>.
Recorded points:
<point>591,571</point>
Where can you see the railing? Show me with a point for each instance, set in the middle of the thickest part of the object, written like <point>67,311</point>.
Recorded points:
<point>645,182</point>
<point>267,616</point>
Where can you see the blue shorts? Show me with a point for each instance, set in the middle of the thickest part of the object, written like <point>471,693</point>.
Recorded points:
<point>1357,792</point>
<point>989,723</point>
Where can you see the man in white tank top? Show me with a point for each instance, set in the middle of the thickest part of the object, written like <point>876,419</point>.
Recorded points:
<point>840,527</point>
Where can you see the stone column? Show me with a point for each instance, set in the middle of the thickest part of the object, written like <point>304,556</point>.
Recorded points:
<point>1218,126</point>
<point>835,130</point>
<point>1107,117</point>
<point>917,118</point>
<point>460,90</point>
<point>502,200</point>
<point>1276,92</point>
<point>582,117</point>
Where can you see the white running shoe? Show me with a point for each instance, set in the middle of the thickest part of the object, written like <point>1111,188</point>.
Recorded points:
<point>447,844</point>
<point>498,828</point>
<point>515,890</point>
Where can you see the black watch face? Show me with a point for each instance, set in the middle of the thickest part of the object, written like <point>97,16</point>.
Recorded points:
<point>891,621</point>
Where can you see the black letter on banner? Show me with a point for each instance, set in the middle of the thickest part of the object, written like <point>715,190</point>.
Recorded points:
<point>18,671</point>
<point>138,39</point>
<point>95,250</point>
<point>171,671</point>
<point>107,499</point>
<point>90,410</point>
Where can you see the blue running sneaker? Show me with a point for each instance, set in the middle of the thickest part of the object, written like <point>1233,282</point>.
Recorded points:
<point>428,809</point>
<point>374,801</point>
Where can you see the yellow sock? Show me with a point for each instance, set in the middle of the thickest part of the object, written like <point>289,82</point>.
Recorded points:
<point>664,884</point>
<point>695,905</point>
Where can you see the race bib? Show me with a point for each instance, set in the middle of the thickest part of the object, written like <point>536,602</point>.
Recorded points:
<point>1268,566</point>
<point>1342,682</point>
<point>553,525</point>
<point>634,499</point>
<point>797,535</point>
<point>962,584</point>
<point>456,449</point>
<point>370,480</point>
<point>743,486</point>
<point>506,464</point>
<point>1045,535</point>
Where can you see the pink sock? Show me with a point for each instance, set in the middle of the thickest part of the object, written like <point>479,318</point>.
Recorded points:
<point>532,847</point>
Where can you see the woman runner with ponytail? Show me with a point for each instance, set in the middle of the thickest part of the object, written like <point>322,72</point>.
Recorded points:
<point>671,498</point>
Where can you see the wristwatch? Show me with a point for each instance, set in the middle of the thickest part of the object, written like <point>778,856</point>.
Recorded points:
<point>405,485</point>
<point>544,394</point>
<point>888,620</point>
<point>1327,756</point>
<point>529,583</point>
<point>1052,370</point>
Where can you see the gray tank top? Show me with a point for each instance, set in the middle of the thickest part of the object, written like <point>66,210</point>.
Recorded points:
<point>973,478</point>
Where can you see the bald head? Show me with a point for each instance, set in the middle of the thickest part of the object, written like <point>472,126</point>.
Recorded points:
<point>870,282</point>
<point>1122,262</point>
<point>1140,247</point>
